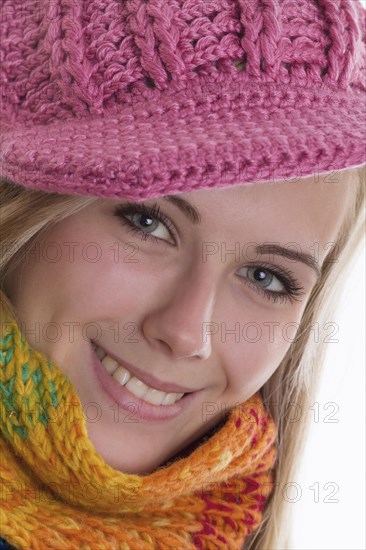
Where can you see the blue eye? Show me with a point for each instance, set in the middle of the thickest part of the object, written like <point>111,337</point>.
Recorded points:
<point>152,217</point>
<point>150,224</point>
<point>265,278</point>
<point>286,287</point>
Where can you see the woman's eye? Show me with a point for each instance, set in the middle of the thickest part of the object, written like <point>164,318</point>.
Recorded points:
<point>146,222</point>
<point>149,225</point>
<point>264,279</point>
<point>274,284</point>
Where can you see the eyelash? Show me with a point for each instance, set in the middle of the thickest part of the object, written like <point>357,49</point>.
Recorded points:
<point>152,212</point>
<point>292,289</point>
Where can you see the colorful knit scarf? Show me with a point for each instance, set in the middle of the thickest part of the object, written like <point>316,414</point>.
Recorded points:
<point>57,492</point>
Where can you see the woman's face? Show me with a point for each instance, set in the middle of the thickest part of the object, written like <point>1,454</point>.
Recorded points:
<point>204,305</point>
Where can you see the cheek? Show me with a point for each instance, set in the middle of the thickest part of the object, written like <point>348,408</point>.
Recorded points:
<point>253,361</point>
<point>92,278</point>
<point>71,274</point>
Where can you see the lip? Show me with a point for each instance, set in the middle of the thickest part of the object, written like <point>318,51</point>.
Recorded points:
<point>147,378</point>
<point>136,407</point>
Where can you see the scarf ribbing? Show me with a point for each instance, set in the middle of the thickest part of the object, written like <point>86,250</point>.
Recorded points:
<point>57,492</point>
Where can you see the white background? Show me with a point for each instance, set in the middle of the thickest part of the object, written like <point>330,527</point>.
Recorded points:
<point>336,451</point>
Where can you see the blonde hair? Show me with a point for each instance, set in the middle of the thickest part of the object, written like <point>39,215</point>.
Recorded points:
<point>27,214</point>
<point>295,382</point>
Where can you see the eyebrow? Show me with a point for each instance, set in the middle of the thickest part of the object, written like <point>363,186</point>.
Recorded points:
<point>192,214</point>
<point>188,210</point>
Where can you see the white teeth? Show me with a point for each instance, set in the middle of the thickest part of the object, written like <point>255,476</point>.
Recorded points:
<point>169,399</point>
<point>137,387</point>
<point>109,364</point>
<point>157,397</point>
<point>122,375</point>
<point>133,384</point>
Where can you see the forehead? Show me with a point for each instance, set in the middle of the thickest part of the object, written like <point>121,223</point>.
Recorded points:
<point>303,210</point>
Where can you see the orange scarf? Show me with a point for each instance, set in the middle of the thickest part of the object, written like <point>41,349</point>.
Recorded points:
<point>57,492</point>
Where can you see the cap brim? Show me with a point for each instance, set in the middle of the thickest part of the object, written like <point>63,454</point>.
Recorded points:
<point>139,152</point>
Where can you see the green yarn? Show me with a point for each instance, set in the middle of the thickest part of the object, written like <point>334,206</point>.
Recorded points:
<point>5,359</point>
<point>8,391</point>
<point>22,431</point>
<point>53,394</point>
<point>18,408</point>
<point>25,372</point>
<point>37,375</point>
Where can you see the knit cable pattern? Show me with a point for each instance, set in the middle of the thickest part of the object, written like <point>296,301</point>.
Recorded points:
<point>59,493</point>
<point>142,98</point>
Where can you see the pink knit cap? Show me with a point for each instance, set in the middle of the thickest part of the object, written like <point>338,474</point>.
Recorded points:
<point>143,98</point>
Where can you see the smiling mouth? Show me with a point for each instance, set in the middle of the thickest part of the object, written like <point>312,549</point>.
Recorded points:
<point>137,387</point>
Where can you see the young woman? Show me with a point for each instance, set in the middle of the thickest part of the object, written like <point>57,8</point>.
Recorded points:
<point>181,200</point>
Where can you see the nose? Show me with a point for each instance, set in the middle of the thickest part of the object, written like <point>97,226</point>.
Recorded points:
<point>179,323</point>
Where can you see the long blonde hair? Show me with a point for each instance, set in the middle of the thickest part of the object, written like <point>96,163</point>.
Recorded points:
<point>25,214</point>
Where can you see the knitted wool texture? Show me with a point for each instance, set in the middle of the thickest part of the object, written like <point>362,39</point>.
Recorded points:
<point>144,98</point>
<point>57,492</point>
